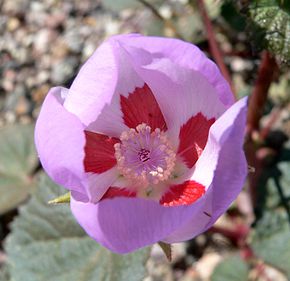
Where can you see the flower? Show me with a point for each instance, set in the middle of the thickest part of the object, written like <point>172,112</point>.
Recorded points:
<point>149,141</point>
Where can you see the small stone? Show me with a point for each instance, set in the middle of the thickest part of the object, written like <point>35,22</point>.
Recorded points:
<point>88,50</point>
<point>12,97</point>
<point>22,106</point>
<point>39,94</point>
<point>13,24</point>
<point>10,117</point>
<point>9,80</point>
<point>91,21</point>
<point>43,39</point>
<point>55,19</point>
<point>238,64</point>
<point>73,39</point>
<point>61,48</point>
<point>206,264</point>
<point>15,7</point>
<point>112,28</point>
<point>190,275</point>
<point>63,70</point>
<point>37,7</point>
<point>165,11</point>
<point>43,76</point>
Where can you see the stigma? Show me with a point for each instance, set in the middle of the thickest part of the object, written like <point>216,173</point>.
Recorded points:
<point>145,157</point>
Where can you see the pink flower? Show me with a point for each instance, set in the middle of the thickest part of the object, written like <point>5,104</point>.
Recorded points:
<point>149,141</point>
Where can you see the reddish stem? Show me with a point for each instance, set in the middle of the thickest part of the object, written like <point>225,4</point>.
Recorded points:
<point>257,103</point>
<point>259,96</point>
<point>214,48</point>
<point>237,235</point>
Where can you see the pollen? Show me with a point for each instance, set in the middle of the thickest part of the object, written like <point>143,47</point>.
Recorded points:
<point>144,156</point>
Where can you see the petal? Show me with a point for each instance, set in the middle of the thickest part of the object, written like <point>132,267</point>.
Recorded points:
<point>183,194</point>
<point>185,55</point>
<point>59,140</point>
<point>98,184</point>
<point>95,93</point>
<point>99,152</point>
<point>218,134</point>
<point>193,137</point>
<point>181,93</point>
<point>141,107</point>
<point>226,141</point>
<point>126,224</point>
<point>118,67</point>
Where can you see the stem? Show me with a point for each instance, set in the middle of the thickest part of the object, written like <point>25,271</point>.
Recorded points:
<point>259,96</point>
<point>257,103</point>
<point>214,48</point>
<point>237,236</point>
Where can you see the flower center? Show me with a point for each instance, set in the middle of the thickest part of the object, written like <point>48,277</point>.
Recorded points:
<point>144,156</point>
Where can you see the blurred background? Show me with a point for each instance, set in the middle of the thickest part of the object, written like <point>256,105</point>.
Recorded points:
<point>43,44</point>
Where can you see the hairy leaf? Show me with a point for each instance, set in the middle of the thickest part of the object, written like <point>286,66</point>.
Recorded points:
<point>271,24</point>
<point>4,276</point>
<point>18,159</point>
<point>271,241</point>
<point>47,244</point>
<point>231,269</point>
<point>271,236</point>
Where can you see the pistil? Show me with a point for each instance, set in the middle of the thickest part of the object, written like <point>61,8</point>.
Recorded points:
<point>145,157</point>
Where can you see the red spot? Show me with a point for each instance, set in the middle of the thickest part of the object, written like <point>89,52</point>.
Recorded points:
<point>183,194</point>
<point>113,192</point>
<point>142,107</point>
<point>99,152</point>
<point>193,137</point>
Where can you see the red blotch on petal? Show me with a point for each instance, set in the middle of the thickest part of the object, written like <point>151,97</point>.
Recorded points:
<point>142,107</point>
<point>182,194</point>
<point>193,137</point>
<point>113,192</point>
<point>99,152</point>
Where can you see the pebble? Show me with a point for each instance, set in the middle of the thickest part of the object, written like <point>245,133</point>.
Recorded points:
<point>63,70</point>
<point>40,93</point>
<point>15,7</point>
<point>42,45</point>
<point>12,24</point>
<point>43,39</point>
<point>22,107</point>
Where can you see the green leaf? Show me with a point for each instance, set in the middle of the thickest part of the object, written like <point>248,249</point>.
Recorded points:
<point>119,5</point>
<point>18,159</point>
<point>47,244</point>
<point>4,276</point>
<point>271,236</point>
<point>273,189</point>
<point>230,13</point>
<point>271,241</point>
<point>271,23</point>
<point>231,269</point>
